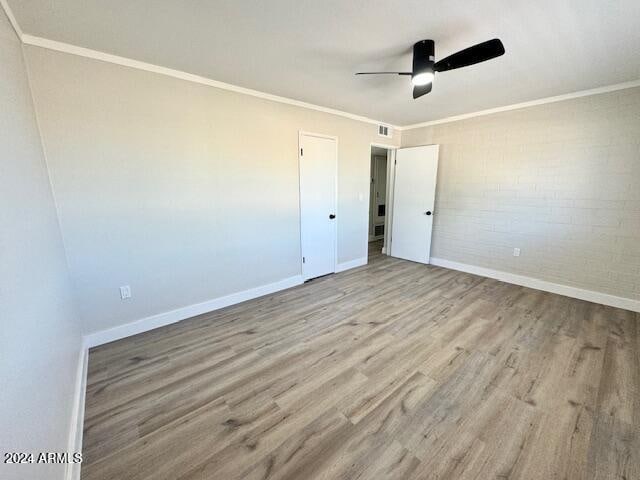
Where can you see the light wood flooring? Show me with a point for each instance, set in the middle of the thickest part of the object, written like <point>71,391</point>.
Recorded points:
<point>394,370</point>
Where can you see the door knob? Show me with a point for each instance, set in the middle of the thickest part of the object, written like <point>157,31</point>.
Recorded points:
<point>332,216</point>
<point>428,212</point>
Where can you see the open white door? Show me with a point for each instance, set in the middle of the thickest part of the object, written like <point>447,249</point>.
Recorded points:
<point>318,179</point>
<point>414,194</point>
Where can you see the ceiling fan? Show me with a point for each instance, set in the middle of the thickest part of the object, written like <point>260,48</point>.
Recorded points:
<point>425,66</point>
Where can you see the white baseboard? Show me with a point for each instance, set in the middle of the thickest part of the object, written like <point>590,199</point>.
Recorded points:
<point>160,320</point>
<point>358,262</point>
<point>77,414</point>
<point>155,321</point>
<point>143,325</point>
<point>567,291</point>
<point>173,316</point>
<point>149,323</point>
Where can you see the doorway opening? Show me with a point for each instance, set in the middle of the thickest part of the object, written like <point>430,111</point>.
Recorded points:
<point>379,198</point>
<point>402,201</point>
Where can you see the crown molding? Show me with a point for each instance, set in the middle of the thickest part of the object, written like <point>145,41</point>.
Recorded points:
<point>532,103</point>
<point>12,18</point>
<point>33,40</point>
<point>127,62</point>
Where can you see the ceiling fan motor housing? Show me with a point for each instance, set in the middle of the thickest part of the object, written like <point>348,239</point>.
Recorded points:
<point>423,57</point>
<point>425,66</point>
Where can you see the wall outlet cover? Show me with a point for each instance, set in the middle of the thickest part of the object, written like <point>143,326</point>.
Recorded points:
<point>125,292</point>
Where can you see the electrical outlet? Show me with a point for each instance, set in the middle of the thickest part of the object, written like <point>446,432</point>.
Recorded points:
<point>516,252</point>
<point>125,292</point>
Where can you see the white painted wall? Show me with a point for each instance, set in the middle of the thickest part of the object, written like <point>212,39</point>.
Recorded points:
<point>559,181</point>
<point>184,191</point>
<point>39,328</point>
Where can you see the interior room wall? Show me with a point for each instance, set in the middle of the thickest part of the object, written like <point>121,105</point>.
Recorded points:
<point>560,181</point>
<point>183,191</point>
<point>39,327</point>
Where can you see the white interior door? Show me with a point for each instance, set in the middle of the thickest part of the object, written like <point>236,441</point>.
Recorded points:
<point>318,179</point>
<point>414,194</point>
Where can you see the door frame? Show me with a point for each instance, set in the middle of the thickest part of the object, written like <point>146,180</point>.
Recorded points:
<point>302,133</point>
<point>391,157</point>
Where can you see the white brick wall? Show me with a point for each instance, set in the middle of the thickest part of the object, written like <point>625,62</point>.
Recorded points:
<point>559,181</point>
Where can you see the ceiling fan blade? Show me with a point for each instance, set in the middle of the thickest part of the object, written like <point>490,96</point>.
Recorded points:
<point>472,55</point>
<point>383,73</point>
<point>421,90</point>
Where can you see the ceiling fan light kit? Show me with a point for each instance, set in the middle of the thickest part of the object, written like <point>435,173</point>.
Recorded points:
<point>425,66</point>
<point>422,78</point>
<point>423,62</point>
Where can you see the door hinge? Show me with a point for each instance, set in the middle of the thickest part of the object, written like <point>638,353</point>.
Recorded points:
<point>301,152</point>
<point>303,260</point>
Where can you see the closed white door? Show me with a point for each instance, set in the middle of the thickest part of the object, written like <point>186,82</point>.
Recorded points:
<point>318,175</point>
<point>414,192</point>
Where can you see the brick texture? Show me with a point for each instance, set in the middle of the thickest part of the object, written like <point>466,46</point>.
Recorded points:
<point>560,181</point>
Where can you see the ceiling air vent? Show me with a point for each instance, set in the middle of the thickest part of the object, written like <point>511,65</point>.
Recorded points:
<point>385,131</point>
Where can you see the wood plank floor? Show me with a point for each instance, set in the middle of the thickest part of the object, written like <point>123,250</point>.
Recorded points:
<point>394,370</point>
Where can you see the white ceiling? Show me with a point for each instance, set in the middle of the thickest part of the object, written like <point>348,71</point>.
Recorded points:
<point>308,50</point>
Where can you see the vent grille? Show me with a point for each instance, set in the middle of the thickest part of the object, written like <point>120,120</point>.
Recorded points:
<point>384,131</point>
<point>379,230</point>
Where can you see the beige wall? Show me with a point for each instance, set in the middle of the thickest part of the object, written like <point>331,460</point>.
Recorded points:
<point>188,193</point>
<point>39,326</point>
<point>184,191</point>
<point>561,181</point>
